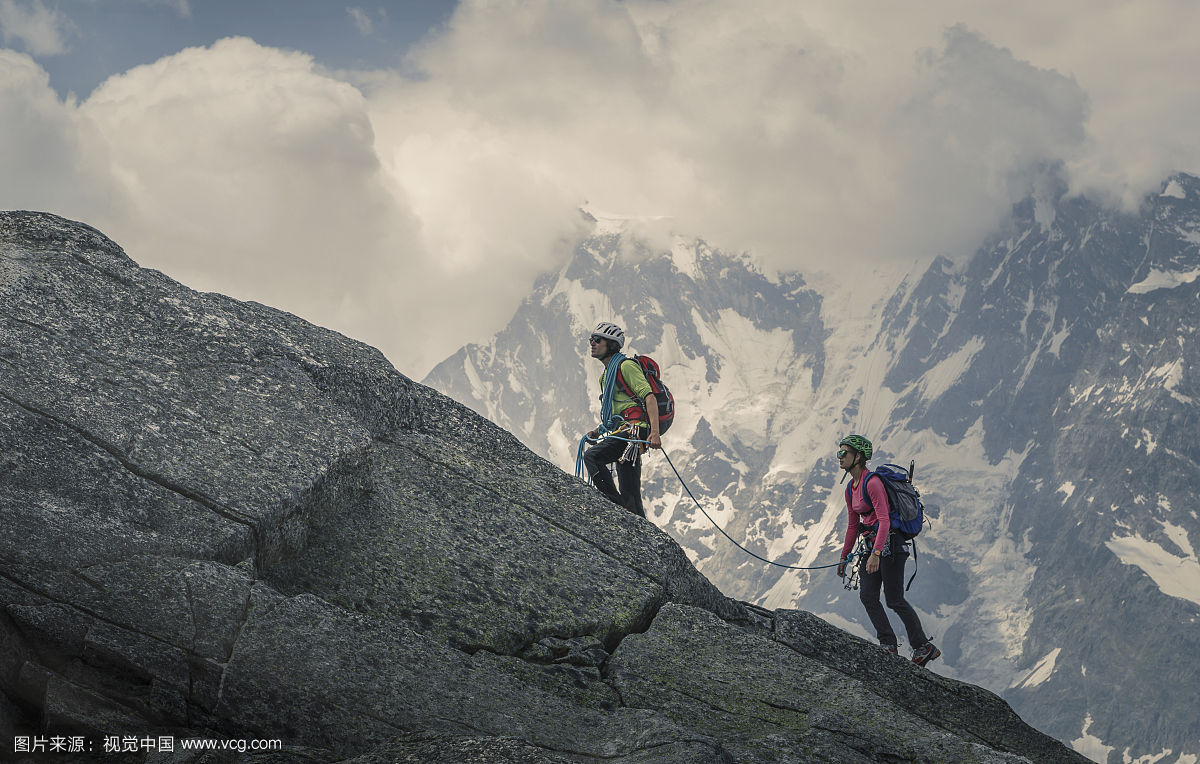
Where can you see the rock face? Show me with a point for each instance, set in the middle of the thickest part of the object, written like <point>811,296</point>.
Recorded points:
<point>224,522</point>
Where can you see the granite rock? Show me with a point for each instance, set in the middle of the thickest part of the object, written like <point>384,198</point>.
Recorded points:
<point>227,523</point>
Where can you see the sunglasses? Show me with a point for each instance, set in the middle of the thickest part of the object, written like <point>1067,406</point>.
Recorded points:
<point>595,340</point>
<point>842,453</point>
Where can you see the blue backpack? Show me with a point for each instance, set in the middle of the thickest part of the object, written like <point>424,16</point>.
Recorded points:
<point>907,512</point>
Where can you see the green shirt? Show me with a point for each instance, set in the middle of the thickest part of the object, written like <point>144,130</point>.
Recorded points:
<point>636,379</point>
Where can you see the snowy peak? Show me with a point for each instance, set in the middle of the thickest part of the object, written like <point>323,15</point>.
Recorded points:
<point>717,326</point>
<point>1044,384</point>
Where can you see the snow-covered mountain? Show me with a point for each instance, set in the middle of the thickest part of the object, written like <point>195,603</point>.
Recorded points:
<point>1046,387</point>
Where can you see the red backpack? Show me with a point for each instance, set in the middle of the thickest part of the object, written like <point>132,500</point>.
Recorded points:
<point>666,401</point>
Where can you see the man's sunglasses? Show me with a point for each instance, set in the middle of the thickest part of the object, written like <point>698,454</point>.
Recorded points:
<point>842,453</point>
<point>594,340</point>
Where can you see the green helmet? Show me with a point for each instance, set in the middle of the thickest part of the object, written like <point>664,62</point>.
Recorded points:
<point>859,444</point>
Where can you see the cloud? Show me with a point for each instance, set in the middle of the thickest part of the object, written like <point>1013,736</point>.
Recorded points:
<point>810,134</point>
<point>45,163</point>
<point>42,31</point>
<point>750,127</point>
<point>815,136</point>
<point>361,20</point>
<point>1144,104</point>
<point>182,8</point>
<point>244,170</point>
<point>1130,58</point>
<point>414,209</point>
<point>979,131</point>
<point>248,170</point>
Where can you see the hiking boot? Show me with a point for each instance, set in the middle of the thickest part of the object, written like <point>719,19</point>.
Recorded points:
<point>925,653</point>
<point>890,648</point>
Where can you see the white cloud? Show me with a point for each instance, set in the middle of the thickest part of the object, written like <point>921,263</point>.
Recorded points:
<point>1131,58</point>
<point>414,212</point>
<point>41,30</point>
<point>44,164</point>
<point>748,126</point>
<point>361,20</point>
<point>246,171</point>
<point>182,8</point>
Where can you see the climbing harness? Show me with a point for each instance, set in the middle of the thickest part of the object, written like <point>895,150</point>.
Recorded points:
<point>850,581</point>
<point>620,428</point>
<point>862,549</point>
<point>581,472</point>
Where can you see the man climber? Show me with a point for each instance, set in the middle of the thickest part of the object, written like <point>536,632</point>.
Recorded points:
<point>633,417</point>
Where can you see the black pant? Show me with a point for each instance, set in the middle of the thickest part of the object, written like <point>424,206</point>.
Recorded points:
<point>598,457</point>
<point>891,577</point>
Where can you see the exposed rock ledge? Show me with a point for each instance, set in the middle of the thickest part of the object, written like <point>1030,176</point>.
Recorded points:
<point>222,521</point>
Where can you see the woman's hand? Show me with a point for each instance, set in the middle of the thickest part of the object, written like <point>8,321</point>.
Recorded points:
<point>873,563</point>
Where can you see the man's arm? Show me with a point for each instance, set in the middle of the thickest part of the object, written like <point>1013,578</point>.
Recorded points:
<point>652,417</point>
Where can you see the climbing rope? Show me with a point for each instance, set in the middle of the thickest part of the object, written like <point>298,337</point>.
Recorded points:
<point>611,372</point>
<point>581,473</point>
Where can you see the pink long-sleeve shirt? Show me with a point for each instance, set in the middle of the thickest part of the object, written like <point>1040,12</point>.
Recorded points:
<point>859,512</point>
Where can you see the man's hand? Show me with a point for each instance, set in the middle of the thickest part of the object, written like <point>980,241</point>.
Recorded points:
<point>873,563</point>
<point>841,569</point>
<point>655,440</point>
<point>593,434</point>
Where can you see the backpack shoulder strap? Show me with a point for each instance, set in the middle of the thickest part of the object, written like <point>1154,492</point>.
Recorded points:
<point>866,495</point>
<point>621,377</point>
<point>863,483</point>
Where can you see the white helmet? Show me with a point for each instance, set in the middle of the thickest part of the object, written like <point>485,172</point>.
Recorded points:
<point>610,332</point>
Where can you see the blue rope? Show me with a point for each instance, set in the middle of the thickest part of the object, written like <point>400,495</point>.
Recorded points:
<point>578,473</point>
<point>579,470</point>
<point>610,389</point>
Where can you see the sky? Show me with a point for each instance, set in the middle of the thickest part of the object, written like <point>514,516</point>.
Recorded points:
<point>403,171</point>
